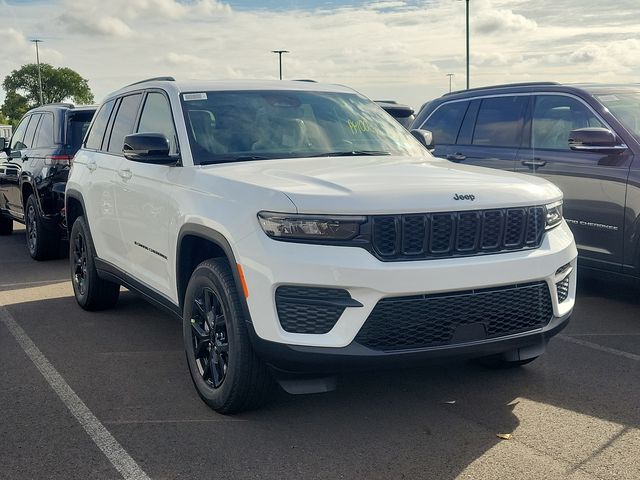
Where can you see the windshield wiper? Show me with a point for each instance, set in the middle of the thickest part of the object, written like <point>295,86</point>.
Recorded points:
<point>240,158</point>
<point>352,153</point>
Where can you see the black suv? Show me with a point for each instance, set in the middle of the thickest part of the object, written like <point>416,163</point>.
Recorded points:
<point>33,176</point>
<point>584,138</point>
<point>403,114</point>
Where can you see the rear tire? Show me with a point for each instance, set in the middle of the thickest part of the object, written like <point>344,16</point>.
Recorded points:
<point>43,243</point>
<point>91,291</point>
<point>227,373</point>
<point>6,225</point>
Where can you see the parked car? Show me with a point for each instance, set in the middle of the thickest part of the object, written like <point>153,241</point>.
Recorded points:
<point>583,138</point>
<point>33,175</point>
<point>294,227</point>
<point>5,132</point>
<point>403,114</point>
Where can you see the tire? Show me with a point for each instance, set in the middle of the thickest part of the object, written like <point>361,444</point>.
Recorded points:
<point>6,225</point>
<point>91,291</point>
<point>42,243</point>
<point>227,373</point>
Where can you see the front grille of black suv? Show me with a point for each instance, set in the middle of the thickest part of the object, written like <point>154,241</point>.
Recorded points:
<point>451,234</point>
<point>311,309</point>
<point>419,321</point>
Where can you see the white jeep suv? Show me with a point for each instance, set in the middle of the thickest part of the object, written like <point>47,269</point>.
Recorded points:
<point>295,227</point>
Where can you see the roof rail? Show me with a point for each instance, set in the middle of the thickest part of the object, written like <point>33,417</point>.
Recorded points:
<point>153,79</point>
<point>304,80</point>
<point>505,85</point>
<point>58,104</point>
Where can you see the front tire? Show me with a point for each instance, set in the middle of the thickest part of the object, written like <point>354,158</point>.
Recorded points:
<point>6,226</point>
<point>91,291</point>
<point>43,243</point>
<point>227,373</point>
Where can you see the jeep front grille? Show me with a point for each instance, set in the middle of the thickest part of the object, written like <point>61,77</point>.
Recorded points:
<point>419,321</point>
<point>451,234</point>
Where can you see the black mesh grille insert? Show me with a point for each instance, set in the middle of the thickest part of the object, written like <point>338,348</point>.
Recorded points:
<point>563,289</point>
<point>432,320</point>
<point>309,309</point>
<point>450,234</point>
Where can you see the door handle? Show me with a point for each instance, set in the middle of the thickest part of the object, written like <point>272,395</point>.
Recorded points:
<point>535,163</point>
<point>92,165</point>
<point>25,158</point>
<point>125,173</point>
<point>456,157</point>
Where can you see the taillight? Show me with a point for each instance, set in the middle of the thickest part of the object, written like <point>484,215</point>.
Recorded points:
<point>58,160</point>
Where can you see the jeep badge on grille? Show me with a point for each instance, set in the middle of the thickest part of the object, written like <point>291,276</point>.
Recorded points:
<point>467,196</point>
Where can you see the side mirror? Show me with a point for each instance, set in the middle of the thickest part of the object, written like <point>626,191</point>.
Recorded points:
<point>148,148</point>
<point>425,137</point>
<point>595,139</point>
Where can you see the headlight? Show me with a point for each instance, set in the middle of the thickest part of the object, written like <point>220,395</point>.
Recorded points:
<point>553,214</point>
<point>285,226</point>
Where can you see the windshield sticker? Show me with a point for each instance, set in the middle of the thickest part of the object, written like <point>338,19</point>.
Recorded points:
<point>608,98</point>
<point>359,126</point>
<point>194,96</point>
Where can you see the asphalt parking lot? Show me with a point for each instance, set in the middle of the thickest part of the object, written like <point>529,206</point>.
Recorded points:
<point>83,393</point>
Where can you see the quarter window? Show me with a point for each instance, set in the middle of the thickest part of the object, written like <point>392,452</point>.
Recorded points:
<point>156,118</point>
<point>554,116</point>
<point>44,137</point>
<point>499,122</point>
<point>96,134</point>
<point>124,122</point>
<point>445,122</point>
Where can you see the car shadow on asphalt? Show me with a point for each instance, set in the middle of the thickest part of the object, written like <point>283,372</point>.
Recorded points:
<point>428,422</point>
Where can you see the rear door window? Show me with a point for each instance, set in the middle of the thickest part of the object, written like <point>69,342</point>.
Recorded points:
<point>31,131</point>
<point>96,134</point>
<point>499,122</point>
<point>445,122</point>
<point>44,135</point>
<point>124,123</point>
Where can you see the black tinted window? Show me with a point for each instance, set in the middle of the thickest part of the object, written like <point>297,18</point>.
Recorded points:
<point>31,131</point>
<point>445,122</point>
<point>44,136</point>
<point>124,122</point>
<point>78,123</point>
<point>554,116</point>
<point>499,122</point>
<point>156,118</point>
<point>18,135</point>
<point>94,139</point>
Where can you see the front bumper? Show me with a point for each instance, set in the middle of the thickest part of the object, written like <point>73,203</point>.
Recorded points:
<point>268,264</point>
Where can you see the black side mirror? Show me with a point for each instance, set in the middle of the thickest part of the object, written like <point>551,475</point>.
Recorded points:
<point>425,137</point>
<point>148,148</point>
<point>595,139</point>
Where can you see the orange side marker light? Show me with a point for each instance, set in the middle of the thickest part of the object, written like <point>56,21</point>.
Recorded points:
<point>243,281</point>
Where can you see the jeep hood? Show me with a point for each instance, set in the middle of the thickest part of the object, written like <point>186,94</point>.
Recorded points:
<point>380,185</point>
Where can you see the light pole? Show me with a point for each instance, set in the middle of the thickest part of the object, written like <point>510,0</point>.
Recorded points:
<point>37,41</point>
<point>467,44</point>
<point>280,52</point>
<point>450,75</point>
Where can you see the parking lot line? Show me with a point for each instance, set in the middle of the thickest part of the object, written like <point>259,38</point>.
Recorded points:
<point>41,282</point>
<point>103,439</point>
<point>595,346</point>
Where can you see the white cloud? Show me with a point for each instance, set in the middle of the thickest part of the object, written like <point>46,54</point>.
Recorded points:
<point>390,48</point>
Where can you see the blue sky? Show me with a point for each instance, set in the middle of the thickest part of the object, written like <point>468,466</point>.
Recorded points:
<point>396,49</point>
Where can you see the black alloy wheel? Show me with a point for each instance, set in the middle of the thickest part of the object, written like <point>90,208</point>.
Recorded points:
<point>32,229</point>
<point>210,339</point>
<point>79,265</point>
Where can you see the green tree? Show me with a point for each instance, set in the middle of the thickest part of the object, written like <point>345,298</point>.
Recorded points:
<point>58,84</point>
